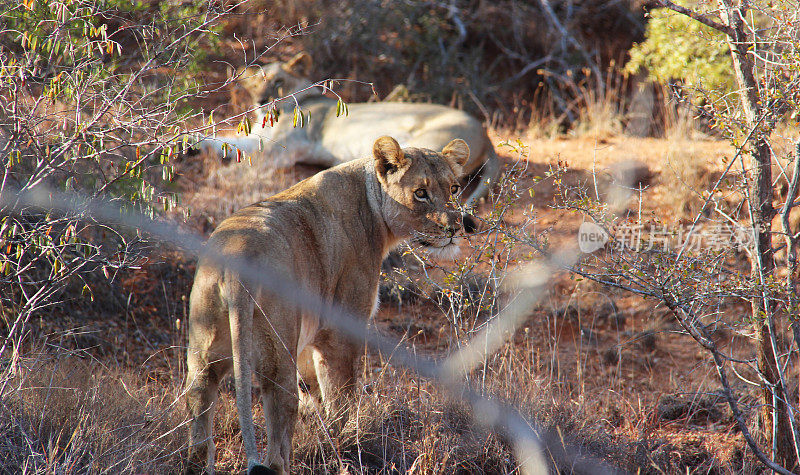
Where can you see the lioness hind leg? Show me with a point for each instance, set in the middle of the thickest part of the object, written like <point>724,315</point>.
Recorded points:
<point>279,398</point>
<point>202,390</point>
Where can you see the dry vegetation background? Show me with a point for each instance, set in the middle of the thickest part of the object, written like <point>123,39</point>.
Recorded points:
<point>91,382</point>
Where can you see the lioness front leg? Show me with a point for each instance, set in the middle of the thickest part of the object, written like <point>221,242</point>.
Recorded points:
<point>201,399</point>
<point>309,393</point>
<point>335,359</point>
<point>208,360</point>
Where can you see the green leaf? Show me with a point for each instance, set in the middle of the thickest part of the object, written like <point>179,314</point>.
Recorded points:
<point>248,126</point>
<point>341,108</point>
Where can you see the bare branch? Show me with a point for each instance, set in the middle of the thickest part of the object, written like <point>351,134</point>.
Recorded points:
<point>706,341</point>
<point>696,16</point>
<point>548,10</point>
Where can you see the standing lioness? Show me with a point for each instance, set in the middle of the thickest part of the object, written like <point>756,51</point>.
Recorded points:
<point>329,233</point>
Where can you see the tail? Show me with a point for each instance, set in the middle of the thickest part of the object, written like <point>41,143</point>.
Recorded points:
<point>240,315</point>
<point>488,176</point>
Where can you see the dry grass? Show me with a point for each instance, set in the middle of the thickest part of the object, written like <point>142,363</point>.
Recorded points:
<point>401,423</point>
<point>217,188</point>
<point>65,414</point>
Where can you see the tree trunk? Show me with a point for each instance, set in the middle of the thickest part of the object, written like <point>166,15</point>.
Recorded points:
<point>775,425</point>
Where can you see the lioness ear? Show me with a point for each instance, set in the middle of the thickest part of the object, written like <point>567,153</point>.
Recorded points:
<point>299,65</point>
<point>457,153</point>
<point>388,155</point>
<point>252,81</point>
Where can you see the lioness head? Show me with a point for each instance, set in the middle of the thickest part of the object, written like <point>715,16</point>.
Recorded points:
<point>421,187</point>
<point>277,80</point>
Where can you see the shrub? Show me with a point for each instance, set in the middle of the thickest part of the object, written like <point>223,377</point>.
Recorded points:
<point>94,100</point>
<point>677,48</point>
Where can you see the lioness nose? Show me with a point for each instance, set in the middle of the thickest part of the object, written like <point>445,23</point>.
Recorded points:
<point>452,228</point>
<point>470,226</point>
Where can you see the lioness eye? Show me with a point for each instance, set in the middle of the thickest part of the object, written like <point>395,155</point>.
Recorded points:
<point>454,189</point>
<point>421,194</point>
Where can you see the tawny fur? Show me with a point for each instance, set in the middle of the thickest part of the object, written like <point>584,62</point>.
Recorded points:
<point>328,233</point>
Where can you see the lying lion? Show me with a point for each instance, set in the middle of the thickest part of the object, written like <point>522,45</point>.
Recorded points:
<point>329,140</point>
<point>329,233</point>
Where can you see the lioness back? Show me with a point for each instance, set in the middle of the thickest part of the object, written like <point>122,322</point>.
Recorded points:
<point>295,229</point>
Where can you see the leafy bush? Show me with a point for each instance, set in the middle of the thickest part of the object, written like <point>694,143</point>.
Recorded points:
<point>677,48</point>
<point>93,100</point>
